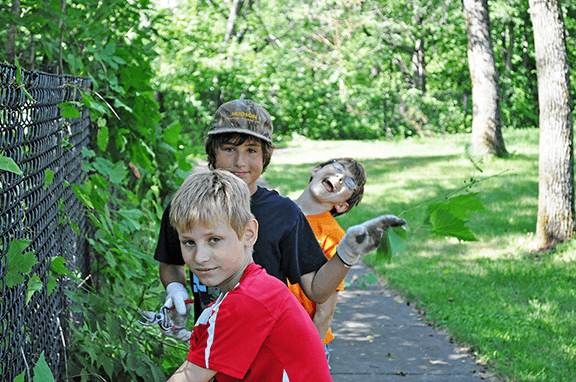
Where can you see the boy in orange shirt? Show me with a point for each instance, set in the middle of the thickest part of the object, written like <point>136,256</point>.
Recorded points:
<point>335,187</point>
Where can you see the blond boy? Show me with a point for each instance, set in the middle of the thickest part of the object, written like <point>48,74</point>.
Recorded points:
<point>256,330</point>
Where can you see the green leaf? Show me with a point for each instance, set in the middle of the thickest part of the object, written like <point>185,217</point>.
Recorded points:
<point>82,195</point>
<point>108,364</point>
<point>49,175</point>
<point>42,372</point>
<point>69,110</point>
<point>393,241</point>
<point>172,134</point>
<point>397,239</point>
<point>51,285</point>
<point>132,216</point>
<point>461,205</point>
<point>57,266</point>
<point>446,224</point>
<point>102,138</point>
<point>370,278</point>
<point>18,262</point>
<point>8,164</point>
<point>120,104</point>
<point>18,71</point>
<point>34,284</point>
<point>87,153</point>
<point>20,377</point>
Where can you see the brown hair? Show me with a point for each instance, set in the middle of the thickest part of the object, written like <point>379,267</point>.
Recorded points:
<point>216,141</point>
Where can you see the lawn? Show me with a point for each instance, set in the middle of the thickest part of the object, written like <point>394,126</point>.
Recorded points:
<point>514,308</point>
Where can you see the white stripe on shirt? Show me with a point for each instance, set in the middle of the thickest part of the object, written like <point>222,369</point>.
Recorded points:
<point>212,325</point>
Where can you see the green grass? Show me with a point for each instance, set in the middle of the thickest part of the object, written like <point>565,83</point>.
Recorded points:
<point>514,308</point>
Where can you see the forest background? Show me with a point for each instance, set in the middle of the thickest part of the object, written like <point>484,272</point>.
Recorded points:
<point>365,70</point>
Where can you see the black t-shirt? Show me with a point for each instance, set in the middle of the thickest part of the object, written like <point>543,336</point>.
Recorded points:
<point>286,245</point>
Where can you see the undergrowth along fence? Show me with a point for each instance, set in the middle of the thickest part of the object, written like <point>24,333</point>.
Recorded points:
<point>35,135</point>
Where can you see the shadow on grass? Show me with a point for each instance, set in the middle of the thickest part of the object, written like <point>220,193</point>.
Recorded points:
<point>519,313</point>
<point>516,310</point>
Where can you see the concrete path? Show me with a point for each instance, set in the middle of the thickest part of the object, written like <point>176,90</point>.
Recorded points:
<point>381,338</point>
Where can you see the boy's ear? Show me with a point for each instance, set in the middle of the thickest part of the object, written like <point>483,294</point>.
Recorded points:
<point>315,170</point>
<point>341,208</point>
<point>251,233</point>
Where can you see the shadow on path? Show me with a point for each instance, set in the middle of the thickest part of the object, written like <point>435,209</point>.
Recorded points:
<point>381,338</point>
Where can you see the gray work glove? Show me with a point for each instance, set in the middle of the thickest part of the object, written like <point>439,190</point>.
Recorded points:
<point>364,238</point>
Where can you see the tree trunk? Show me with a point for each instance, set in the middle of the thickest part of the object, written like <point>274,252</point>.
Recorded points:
<point>486,122</point>
<point>508,53</point>
<point>231,24</point>
<point>419,65</point>
<point>556,164</point>
<point>11,35</point>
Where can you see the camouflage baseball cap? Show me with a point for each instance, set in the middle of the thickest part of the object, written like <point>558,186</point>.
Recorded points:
<point>243,116</point>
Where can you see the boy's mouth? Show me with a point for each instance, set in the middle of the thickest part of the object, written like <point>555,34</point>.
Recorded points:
<point>204,270</point>
<point>328,185</point>
<point>240,174</point>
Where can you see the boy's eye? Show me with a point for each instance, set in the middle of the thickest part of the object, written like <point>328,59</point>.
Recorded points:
<point>188,243</point>
<point>214,240</point>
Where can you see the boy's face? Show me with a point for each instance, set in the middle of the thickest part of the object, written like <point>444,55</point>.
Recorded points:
<point>332,184</point>
<point>245,161</point>
<point>216,255</point>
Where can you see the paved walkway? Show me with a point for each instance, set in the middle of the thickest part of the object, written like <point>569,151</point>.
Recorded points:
<point>381,338</point>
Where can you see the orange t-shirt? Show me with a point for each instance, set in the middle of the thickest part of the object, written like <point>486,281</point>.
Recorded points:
<point>329,233</point>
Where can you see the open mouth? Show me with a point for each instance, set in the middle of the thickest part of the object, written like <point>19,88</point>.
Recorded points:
<point>328,185</point>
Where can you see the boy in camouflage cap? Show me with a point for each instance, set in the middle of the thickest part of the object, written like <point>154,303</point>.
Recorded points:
<point>241,141</point>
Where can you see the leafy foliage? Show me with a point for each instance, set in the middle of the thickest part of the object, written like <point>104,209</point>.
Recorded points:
<point>42,372</point>
<point>327,69</point>
<point>18,263</point>
<point>8,164</point>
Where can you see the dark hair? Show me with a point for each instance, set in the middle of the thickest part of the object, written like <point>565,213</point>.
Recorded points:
<point>216,141</point>
<point>359,174</point>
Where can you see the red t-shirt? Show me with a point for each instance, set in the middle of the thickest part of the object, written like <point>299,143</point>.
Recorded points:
<point>258,332</point>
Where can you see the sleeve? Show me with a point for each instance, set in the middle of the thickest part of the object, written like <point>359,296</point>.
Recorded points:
<point>301,252</point>
<point>231,339</point>
<point>168,247</point>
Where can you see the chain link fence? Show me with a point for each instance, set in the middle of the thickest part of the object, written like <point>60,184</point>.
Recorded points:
<point>35,135</point>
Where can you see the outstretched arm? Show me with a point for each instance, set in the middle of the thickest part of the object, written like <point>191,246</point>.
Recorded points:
<point>320,285</point>
<point>358,241</point>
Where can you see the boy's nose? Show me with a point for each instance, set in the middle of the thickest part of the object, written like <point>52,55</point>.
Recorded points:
<point>202,256</point>
<point>239,160</point>
<point>340,178</point>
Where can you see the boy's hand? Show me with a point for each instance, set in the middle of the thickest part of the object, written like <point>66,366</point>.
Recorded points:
<point>170,322</point>
<point>174,324</point>
<point>177,296</point>
<point>364,238</point>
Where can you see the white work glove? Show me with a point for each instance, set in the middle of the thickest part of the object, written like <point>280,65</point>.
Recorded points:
<point>171,323</point>
<point>364,238</point>
<point>176,312</point>
<point>174,324</point>
<point>177,296</point>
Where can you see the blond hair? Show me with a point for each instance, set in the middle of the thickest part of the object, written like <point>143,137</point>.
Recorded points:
<point>208,196</point>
